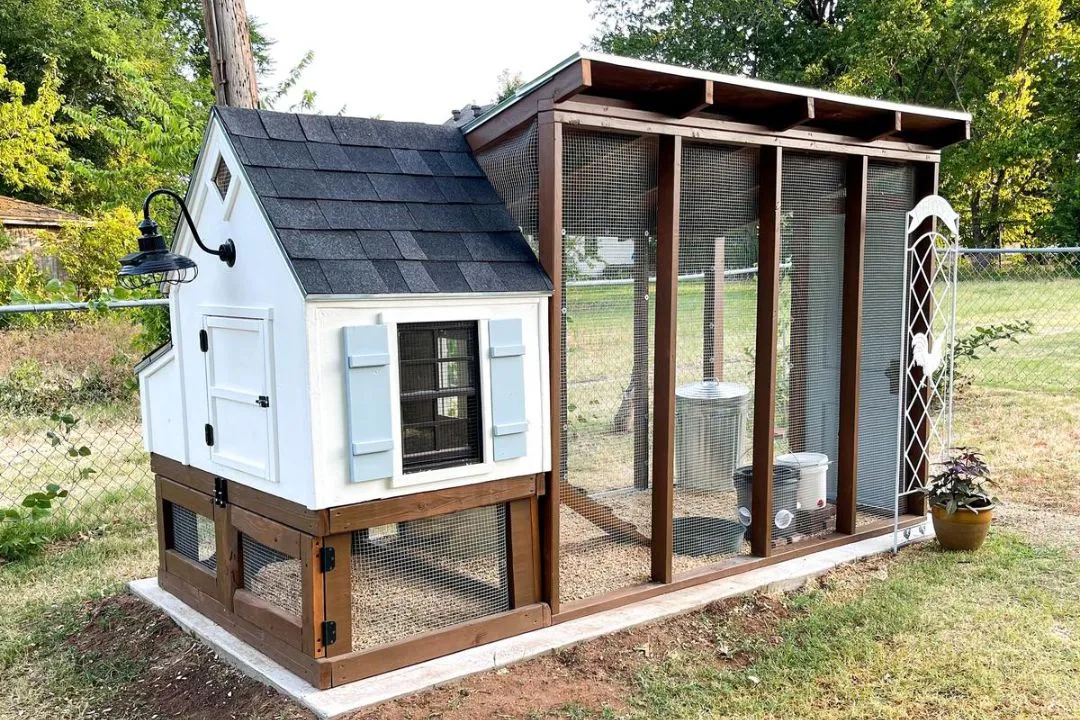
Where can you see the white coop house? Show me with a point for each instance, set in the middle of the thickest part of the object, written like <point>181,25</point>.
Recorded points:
<point>636,327</point>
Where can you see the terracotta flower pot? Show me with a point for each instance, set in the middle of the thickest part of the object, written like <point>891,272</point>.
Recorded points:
<point>963,530</point>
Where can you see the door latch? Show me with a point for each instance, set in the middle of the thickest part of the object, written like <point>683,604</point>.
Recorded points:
<point>263,401</point>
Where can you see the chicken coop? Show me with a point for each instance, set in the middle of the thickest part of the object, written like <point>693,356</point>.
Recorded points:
<point>632,329</point>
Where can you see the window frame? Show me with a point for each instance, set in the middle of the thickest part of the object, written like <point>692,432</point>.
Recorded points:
<point>463,459</point>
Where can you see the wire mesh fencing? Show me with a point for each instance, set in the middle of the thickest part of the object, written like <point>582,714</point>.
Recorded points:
<point>69,410</point>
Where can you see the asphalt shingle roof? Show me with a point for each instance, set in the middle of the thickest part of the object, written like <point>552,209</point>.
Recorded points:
<point>367,207</point>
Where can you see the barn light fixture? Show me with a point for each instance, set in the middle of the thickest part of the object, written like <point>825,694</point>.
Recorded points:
<point>153,264</point>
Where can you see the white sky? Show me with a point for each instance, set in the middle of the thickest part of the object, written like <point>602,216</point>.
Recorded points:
<point>418,59</point>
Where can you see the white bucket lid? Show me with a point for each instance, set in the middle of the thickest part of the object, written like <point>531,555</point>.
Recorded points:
<point>803,460</point>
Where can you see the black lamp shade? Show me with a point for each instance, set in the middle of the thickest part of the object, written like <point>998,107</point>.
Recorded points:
<point>153,264</point>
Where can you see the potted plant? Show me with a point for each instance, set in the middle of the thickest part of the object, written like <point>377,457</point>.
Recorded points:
<point>960,504</point>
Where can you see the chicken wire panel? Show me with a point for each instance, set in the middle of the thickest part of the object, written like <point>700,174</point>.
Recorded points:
<point>511,166</point>
<point>808,344</point>
<point>414,577</point>
<point>715,341</point>
<point>890,194</point>
<point>271,575</point>
<point>193,536</point>
<point>609,234</point>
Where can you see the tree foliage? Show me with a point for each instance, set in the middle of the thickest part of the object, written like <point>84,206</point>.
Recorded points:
<point>1011,63</point>
<point>33,157</point>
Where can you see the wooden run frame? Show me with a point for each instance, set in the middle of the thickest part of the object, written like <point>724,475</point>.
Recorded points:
<point>572,102</point>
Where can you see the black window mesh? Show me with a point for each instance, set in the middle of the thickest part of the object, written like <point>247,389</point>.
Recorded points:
<point>715,341</point>
<point>511,166</point>
<point>423,575</point>
<point>222,178</point>
<point>193,536</point>
<point>609,232</point>
<point>811,289</point>
<point>890,194</point>
<point>271,575</point>
<point>440,395</point>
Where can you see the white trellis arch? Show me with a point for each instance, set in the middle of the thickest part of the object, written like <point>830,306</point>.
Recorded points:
<point>927,343</point>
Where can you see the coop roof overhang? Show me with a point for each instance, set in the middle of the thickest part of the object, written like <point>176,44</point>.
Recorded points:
<point>680,93</point>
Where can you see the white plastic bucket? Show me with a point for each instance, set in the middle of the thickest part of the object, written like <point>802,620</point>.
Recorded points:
<point>813,478</point>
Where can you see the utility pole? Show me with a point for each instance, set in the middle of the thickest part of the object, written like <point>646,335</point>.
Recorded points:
<point>231,63</point>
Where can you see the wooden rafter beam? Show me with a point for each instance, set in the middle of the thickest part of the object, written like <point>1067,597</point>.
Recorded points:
<point>695,99</point>
<point>790,115</point>
<point>882,126</point>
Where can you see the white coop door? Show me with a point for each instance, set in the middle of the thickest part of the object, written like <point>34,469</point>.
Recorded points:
<point>238,382</point>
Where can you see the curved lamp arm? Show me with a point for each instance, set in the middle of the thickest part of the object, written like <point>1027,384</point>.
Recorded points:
<point>226,251</point>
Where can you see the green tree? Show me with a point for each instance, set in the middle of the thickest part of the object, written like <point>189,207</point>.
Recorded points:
<point>33,157</point>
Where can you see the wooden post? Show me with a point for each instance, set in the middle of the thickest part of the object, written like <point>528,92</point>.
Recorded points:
<point>916,392</point>
<point>228,41</point>
<point>768,299</point>
<point>520,535</point>
<point>337,593</point>
<point>667,305</point>
<point>549,160</point>
<point>639,378</point>
<point>712,349</point>
<point>847,462</point>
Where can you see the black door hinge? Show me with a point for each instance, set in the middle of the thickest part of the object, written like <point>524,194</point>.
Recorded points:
<point>209,432</point>
<point>263,401</point>
<point>329,632</point>
<point>204,341</point>
<point>221,491</point>
<point>327,559</point>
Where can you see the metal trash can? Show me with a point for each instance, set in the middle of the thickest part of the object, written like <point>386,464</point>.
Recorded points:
<point>785,498</point>
<point>710,422</point>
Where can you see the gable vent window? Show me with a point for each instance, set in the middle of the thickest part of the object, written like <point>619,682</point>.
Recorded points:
<point>440,395</point>
<point>222,177</point>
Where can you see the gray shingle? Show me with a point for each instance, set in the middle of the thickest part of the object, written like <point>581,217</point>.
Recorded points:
<point>452,189</point>
<point>493,218</point>
<point>497,247</point>
<point>317,129</point>
<point>388,216</point>
<point>441,246</point>
<point>296,214</point>
<point>348,186</point>
<point>297,183</point>
<point>435,163</point>
<point>444,218</point>
<point>416,277</point>
<point>282,126</point>
<point>371,160</point>
<point>391,275</point>
<point>462,164</point>
<point>353,277</point>
<point>322,244</point>
<point>481,277</point>
<point>406,188</point>
<point>379,245</point>
<point>480,191</point>
<point>343,214</point>
<point>241,122</point>
<point>447,276</point>
<point>358,131</point>
<point>419,136</point>
<point>522,276</point>
<point>260,182</point>
<point>406,243</point>
<point>277,153</point>
<point>311,277</point>
<point>330,157</point>
<point>410,162</point>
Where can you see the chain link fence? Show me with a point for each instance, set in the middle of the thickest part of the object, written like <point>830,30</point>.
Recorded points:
<point>1018,328</point>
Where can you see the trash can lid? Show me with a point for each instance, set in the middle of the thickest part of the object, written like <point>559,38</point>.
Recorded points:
<point>713,390</point>
<point>803,459</point>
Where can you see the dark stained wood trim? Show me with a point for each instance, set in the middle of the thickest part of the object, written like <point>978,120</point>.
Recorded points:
<point>790,115</point>
<point>550,160</point>
<point>271,619</point>
<point>337,593</point>
<point>312,602</point>
<point>291,658</point>
<point>926,182</point>
<point>606,117</point>
<point>192,573</point>
<point>286,512</point>
<point>567,83</point>
<point>768,298</point>
<point>427,504</point>
<point>186,497</point>
<point>884,126</point>
<point>229,573</point>
<point>164,523</point>
<point>667,285</point>
<point>847,461</point>
<point>522,563</point>
<point>272,534</point>
<point>366,663</point>
<point>699,97</point>
<point>733,566</point>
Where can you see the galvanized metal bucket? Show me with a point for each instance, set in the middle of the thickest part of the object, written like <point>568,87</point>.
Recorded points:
<point>710,423</point>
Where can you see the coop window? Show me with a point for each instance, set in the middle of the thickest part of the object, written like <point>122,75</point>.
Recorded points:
<point>193,536</point>
<point>440,395</point>
<point>222,177</point>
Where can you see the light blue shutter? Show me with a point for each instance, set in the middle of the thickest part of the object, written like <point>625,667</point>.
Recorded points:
<point>367,402</point>
<point>507,388</point>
